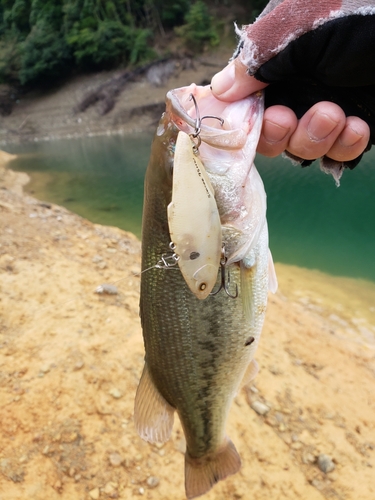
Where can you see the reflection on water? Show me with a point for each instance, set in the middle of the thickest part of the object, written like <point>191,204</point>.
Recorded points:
<point>99,178</point>
<point>312,223</point>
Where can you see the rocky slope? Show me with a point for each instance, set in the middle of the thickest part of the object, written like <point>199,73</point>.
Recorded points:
<point>137,104</point>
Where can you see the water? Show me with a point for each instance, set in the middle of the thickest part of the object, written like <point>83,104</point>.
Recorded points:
<point>99,178</point>
<point>312,223</point>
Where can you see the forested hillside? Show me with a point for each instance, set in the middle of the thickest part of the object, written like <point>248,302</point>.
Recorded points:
<point>45,39</point>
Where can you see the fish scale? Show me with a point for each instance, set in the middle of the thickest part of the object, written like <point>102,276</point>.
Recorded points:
<point>197,351</point>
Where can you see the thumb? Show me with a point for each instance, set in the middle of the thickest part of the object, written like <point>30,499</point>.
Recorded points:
<point>234,83</point>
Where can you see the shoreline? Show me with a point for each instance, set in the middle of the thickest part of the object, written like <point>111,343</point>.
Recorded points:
<point>319,286</point>
<point>77,135</point>
<point>10,179</point>
<point>33,191</point>
<point>17,180</point>
<point>146,128</point>
<point>5,158</point>
<point>43,116</point>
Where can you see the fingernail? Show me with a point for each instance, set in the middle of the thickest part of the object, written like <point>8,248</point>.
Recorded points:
<point>224,80</point>
<point>272,132</point>
<point>320,126</point>
<point>352,139</point>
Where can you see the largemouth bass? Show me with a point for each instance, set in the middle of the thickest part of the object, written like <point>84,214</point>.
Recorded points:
<point>198,351</point>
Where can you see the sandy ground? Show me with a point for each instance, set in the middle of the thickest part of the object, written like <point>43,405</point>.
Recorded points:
<point>70,360</point>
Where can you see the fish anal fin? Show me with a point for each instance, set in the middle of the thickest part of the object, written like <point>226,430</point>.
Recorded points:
<point>153,416</point>
<point>202,473</point>
<point>251,372</point>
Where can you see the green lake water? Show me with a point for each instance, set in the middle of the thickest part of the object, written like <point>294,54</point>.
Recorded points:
<point>312,223</point>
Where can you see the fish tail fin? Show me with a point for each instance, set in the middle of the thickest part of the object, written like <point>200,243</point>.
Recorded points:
<point>153,416</point>
<point>202,473</point>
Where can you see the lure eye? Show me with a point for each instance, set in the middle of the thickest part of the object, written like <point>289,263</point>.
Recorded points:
<point>202,287</point>
<point>194,255</point>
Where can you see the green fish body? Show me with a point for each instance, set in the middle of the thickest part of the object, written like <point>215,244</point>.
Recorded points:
<point>199,351</point>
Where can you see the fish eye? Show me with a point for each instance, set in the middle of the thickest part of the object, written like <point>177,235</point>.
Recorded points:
<point>202,287</point>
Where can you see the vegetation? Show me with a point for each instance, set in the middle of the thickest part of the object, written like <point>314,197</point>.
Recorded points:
<point>42,40</point>
<point>198,28</point>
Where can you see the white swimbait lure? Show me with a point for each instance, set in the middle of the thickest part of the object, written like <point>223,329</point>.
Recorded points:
<point>193,219</point>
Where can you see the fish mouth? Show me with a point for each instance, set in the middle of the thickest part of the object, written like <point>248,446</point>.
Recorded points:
<point>239,117</point>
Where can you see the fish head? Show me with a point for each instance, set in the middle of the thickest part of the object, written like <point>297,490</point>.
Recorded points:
<point>227,150</point>
<point>240,119</point>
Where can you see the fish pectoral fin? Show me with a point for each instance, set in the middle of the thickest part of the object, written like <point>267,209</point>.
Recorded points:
<point>272,278</point>
<point>247,291</point>
<point>202,473</point>
<point>251,372</point>
<point>153,416</point>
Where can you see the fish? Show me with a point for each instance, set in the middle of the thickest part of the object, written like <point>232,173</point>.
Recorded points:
<point>198,352</point>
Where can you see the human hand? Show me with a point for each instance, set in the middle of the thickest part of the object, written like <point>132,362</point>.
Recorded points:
<point>322,130</point>
<point>316,62</point>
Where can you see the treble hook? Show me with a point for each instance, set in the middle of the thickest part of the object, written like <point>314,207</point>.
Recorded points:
<point>224,284</point>
<point>198,122</point>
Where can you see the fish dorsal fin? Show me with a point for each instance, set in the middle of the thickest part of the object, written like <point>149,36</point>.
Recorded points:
<point>153,416</point>
<point>202,473</point>
<point>193,219</point>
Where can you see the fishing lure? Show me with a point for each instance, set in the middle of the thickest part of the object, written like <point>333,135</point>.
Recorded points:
<point>193,219</point>
<point>193,216</point>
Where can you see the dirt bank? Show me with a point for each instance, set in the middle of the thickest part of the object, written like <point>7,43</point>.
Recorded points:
<point>70,360</point>
<point>52,114</point>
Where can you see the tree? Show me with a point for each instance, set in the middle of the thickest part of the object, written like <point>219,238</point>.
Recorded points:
<point>198,29</point>
<point>41,40</point>
<point>44,53</point>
